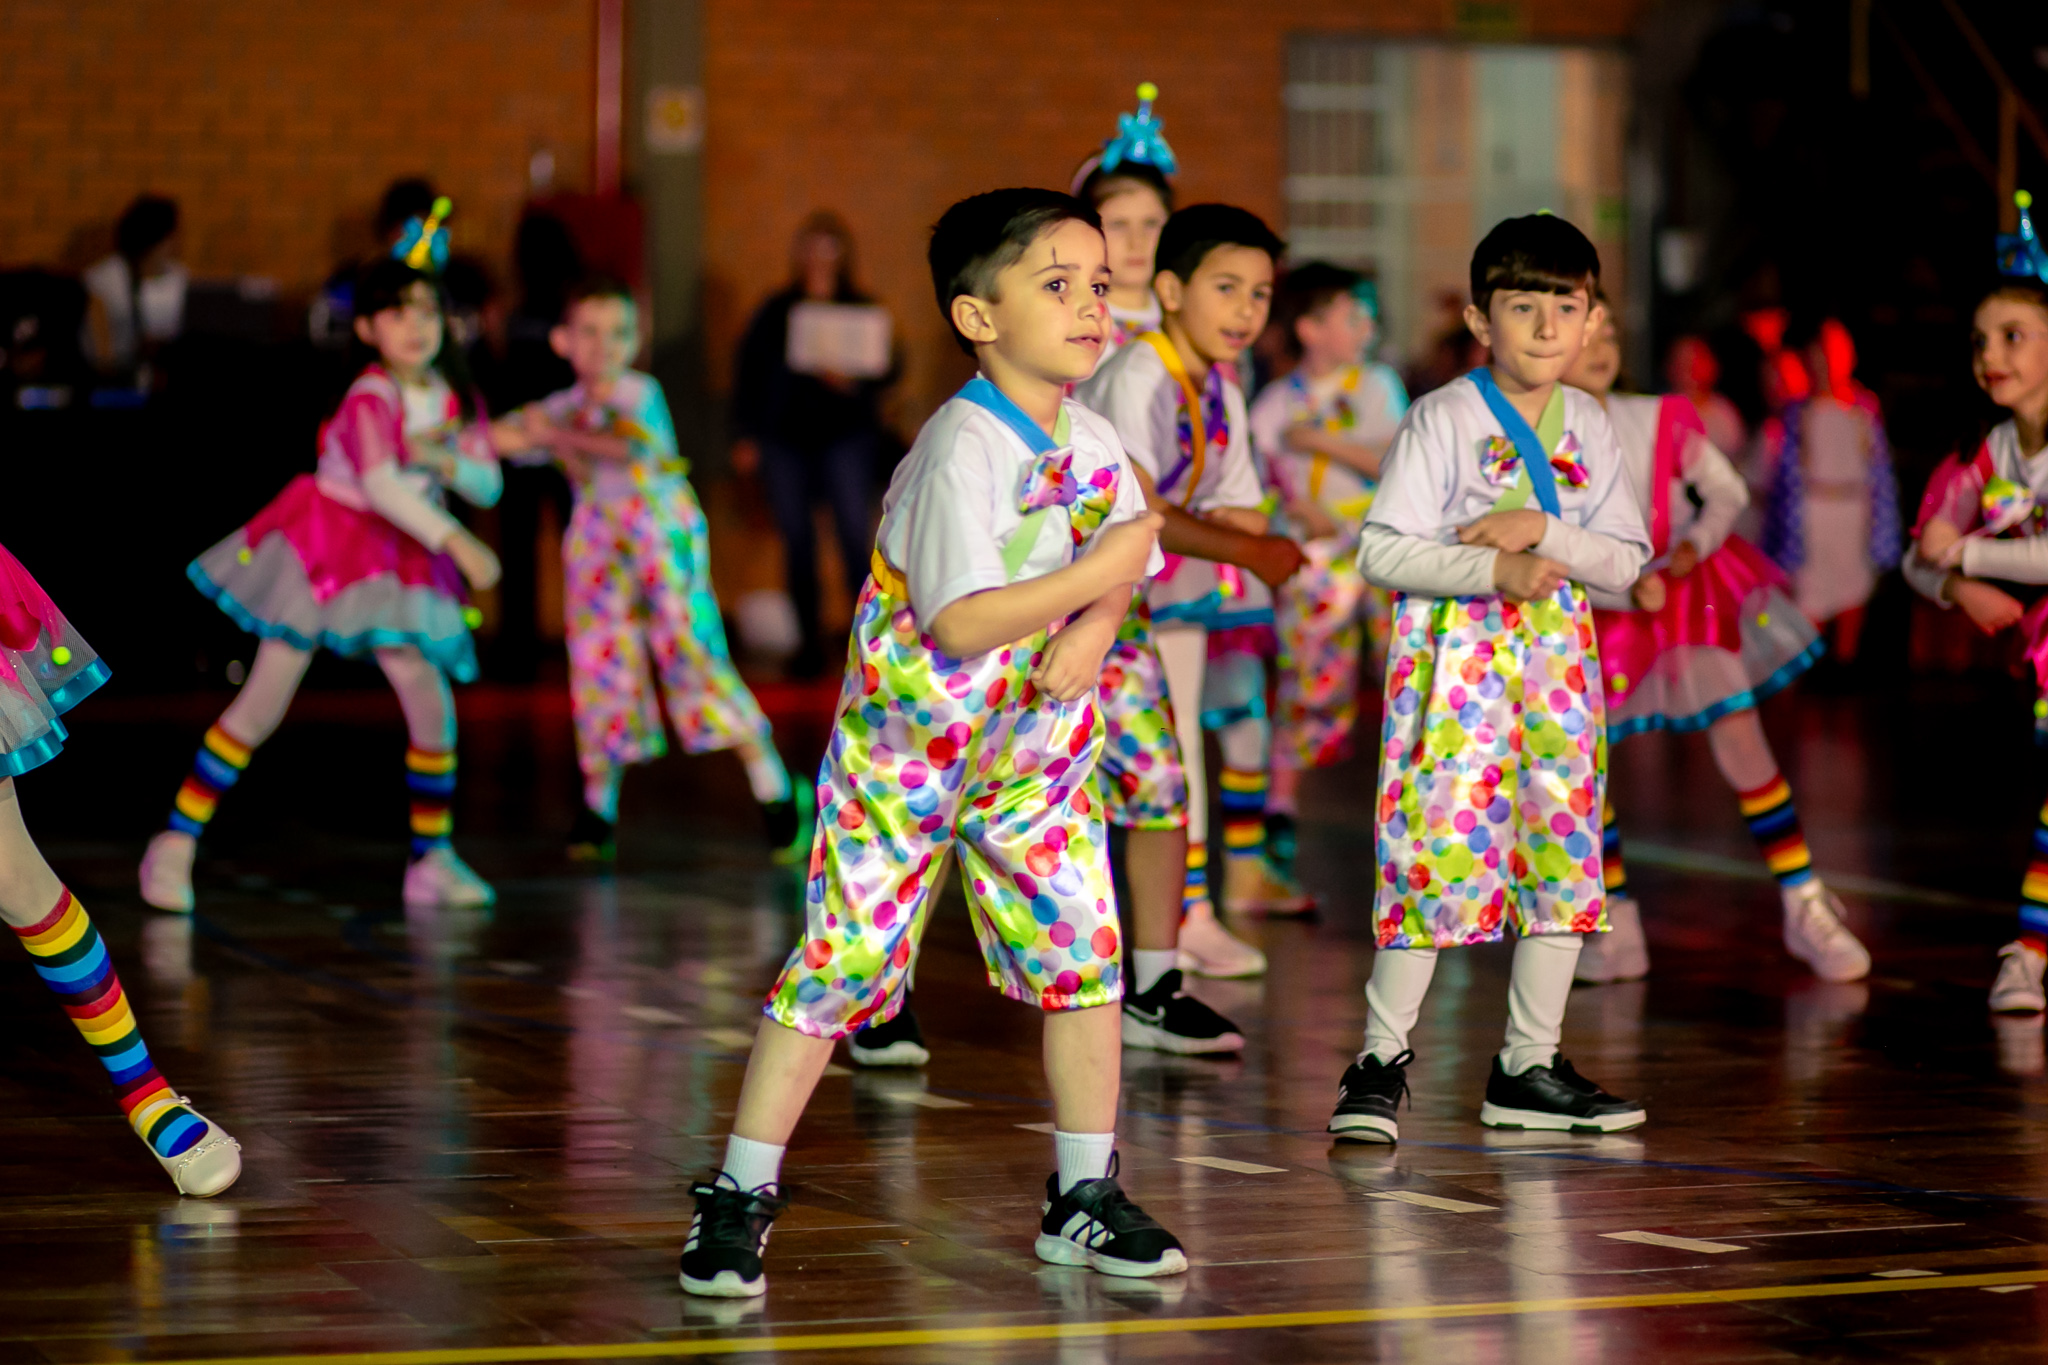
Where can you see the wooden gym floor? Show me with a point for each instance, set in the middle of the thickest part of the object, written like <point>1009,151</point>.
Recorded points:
<point>468,1137</point>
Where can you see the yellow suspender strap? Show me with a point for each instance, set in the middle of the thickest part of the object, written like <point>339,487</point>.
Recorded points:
<point>1318,466</point>
<point>886,577</point>
<point>1193,398</point>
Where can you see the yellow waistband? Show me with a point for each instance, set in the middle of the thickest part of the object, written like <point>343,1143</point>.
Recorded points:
<point>886,577</point>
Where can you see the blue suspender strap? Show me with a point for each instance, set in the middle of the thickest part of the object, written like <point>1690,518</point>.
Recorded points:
<point>983,394</point>
<point>1535,459</point>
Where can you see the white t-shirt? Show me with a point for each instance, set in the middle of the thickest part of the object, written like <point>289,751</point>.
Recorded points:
<point>1434,482</point>
<point>162,298</point>
<point>953,504</point>
<point>1376,400</point>
<point>1126,326</point>
<point>1134,391</point>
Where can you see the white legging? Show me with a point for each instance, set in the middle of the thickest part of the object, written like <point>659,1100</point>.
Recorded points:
<point>422,688</point>
<point>1539,985</point>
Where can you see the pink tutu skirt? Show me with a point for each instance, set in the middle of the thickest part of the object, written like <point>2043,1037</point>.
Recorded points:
<point>320,574</point>
<point>46,668</point>
<point>1729,636</point>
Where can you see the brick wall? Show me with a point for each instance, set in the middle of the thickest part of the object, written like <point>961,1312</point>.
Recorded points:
<point>277,125</point>
<point>888,110</point>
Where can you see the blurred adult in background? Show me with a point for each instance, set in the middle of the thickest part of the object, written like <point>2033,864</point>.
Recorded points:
<point>811,437</point>
<point>135,298</point>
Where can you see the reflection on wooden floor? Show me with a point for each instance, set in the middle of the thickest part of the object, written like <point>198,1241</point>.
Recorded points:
<point>468,1136</point>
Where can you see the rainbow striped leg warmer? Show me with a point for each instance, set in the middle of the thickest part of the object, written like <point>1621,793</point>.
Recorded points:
<point>2034,890</point>
<point>430,777</point>
<point>1195,891</point>
<point>1774,824</point>
<point>73,962</point>
<point>1243,804</point>
<point>217,767</point>
<point>1613,872</point>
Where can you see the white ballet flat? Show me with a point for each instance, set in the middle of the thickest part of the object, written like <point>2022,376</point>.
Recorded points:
<point>209,1165</point>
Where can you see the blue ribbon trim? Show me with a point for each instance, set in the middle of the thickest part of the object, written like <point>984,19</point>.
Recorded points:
<point>1727,706</point>
<point>454,655</point>
<point>998,404</point>
<point>1535,458</point>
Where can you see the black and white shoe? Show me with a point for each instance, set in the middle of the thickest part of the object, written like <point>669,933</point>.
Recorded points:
<point>1555,1097</point>
<point>896,1042</point>
<point>1168,1019</point>
<point>1095,1225</point>
<point>1367,1097</point>
<point>722,1258</point>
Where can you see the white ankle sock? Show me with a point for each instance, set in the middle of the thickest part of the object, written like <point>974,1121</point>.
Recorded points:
<point>1082,1156</point>
<point>752,1164</point>
<point>1393,998</point>
<point>1539,986</point>
<point>766,775</point>
<point>1149,964</point>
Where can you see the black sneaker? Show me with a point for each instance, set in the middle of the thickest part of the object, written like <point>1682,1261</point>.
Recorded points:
<point>1555,1097</point>
<point>722,1258</point>
<point>1168,1019</point>
<point>789,825</point>
<point>1367,1097</point>
<point>1280,842</point>
<point>894,1042</point>
<point>1095,1225</point>
<point>592,839</point>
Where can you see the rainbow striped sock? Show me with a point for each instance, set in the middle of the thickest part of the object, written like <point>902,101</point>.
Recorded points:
<point>72,960</point>
<point>2034,890</point>
<point>1774,824</point>
<point>1243,803</point>
<point>1613,872</point>
<point>430,777</point>
<point>1195,891</point>
<point>217,767</point>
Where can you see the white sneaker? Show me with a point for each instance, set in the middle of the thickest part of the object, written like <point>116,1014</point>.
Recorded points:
<point>207,1167</point>
<point>1815,934</point>
<point>2018,988</point>
<point>1208,949</point>
<point>1620,954</point>
<point>439,877</point>
<point>166,874</point>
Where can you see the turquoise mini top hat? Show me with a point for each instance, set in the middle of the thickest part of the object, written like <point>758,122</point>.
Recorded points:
<point>1140,138</point>
<point>424,243</point>
<point>2020,253</point>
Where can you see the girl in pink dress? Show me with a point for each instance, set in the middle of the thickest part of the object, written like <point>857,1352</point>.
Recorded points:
<point>46,668</point>
<point>360,557</point>
<point>1707,633</point>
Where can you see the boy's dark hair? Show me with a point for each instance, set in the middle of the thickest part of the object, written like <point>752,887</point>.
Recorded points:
<point>382,286</point>
<point>979,237</point>
<point>145,224</point>
<point>596,287</point>
<point>1101,186</point>
<point>2020,288</point>
<point>403,201</point>
<point>1540,254</point>
<point>1191,234</point>
<point>1307,290</point>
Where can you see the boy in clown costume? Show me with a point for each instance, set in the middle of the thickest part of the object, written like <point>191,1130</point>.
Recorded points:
<point>1501,501</point>
<point>1012,537</point>
<point>1321,433</point>
<point>636,569</point>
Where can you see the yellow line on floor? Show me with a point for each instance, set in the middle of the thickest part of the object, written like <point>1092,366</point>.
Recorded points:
<point>1071,1331</point>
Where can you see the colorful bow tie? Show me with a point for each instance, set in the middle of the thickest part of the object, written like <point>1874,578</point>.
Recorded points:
<point>1051,482</point>
<point>2006,504</point>
<point>1501,462</point>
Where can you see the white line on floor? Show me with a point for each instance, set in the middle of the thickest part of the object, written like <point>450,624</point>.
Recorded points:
<point>1038,1127</point>
<point>1659,1239</point>
<point>738,1039</point>
<point>1433,1201</point>
<point>1224,1163</point>
<point>921,1099</point>
<point>1840,1232</point>
<point>1901,1274</point>
<point>2007,1288</point>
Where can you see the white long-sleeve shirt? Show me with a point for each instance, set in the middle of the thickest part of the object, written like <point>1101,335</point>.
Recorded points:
<point>1433,482</point>
<point>2019,559</point>
<point>1702,469</point>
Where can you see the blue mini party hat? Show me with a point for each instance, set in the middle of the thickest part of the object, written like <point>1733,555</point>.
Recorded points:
<point>1139,138</point>
<point>2020,253</point>
<point>424,243</point>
